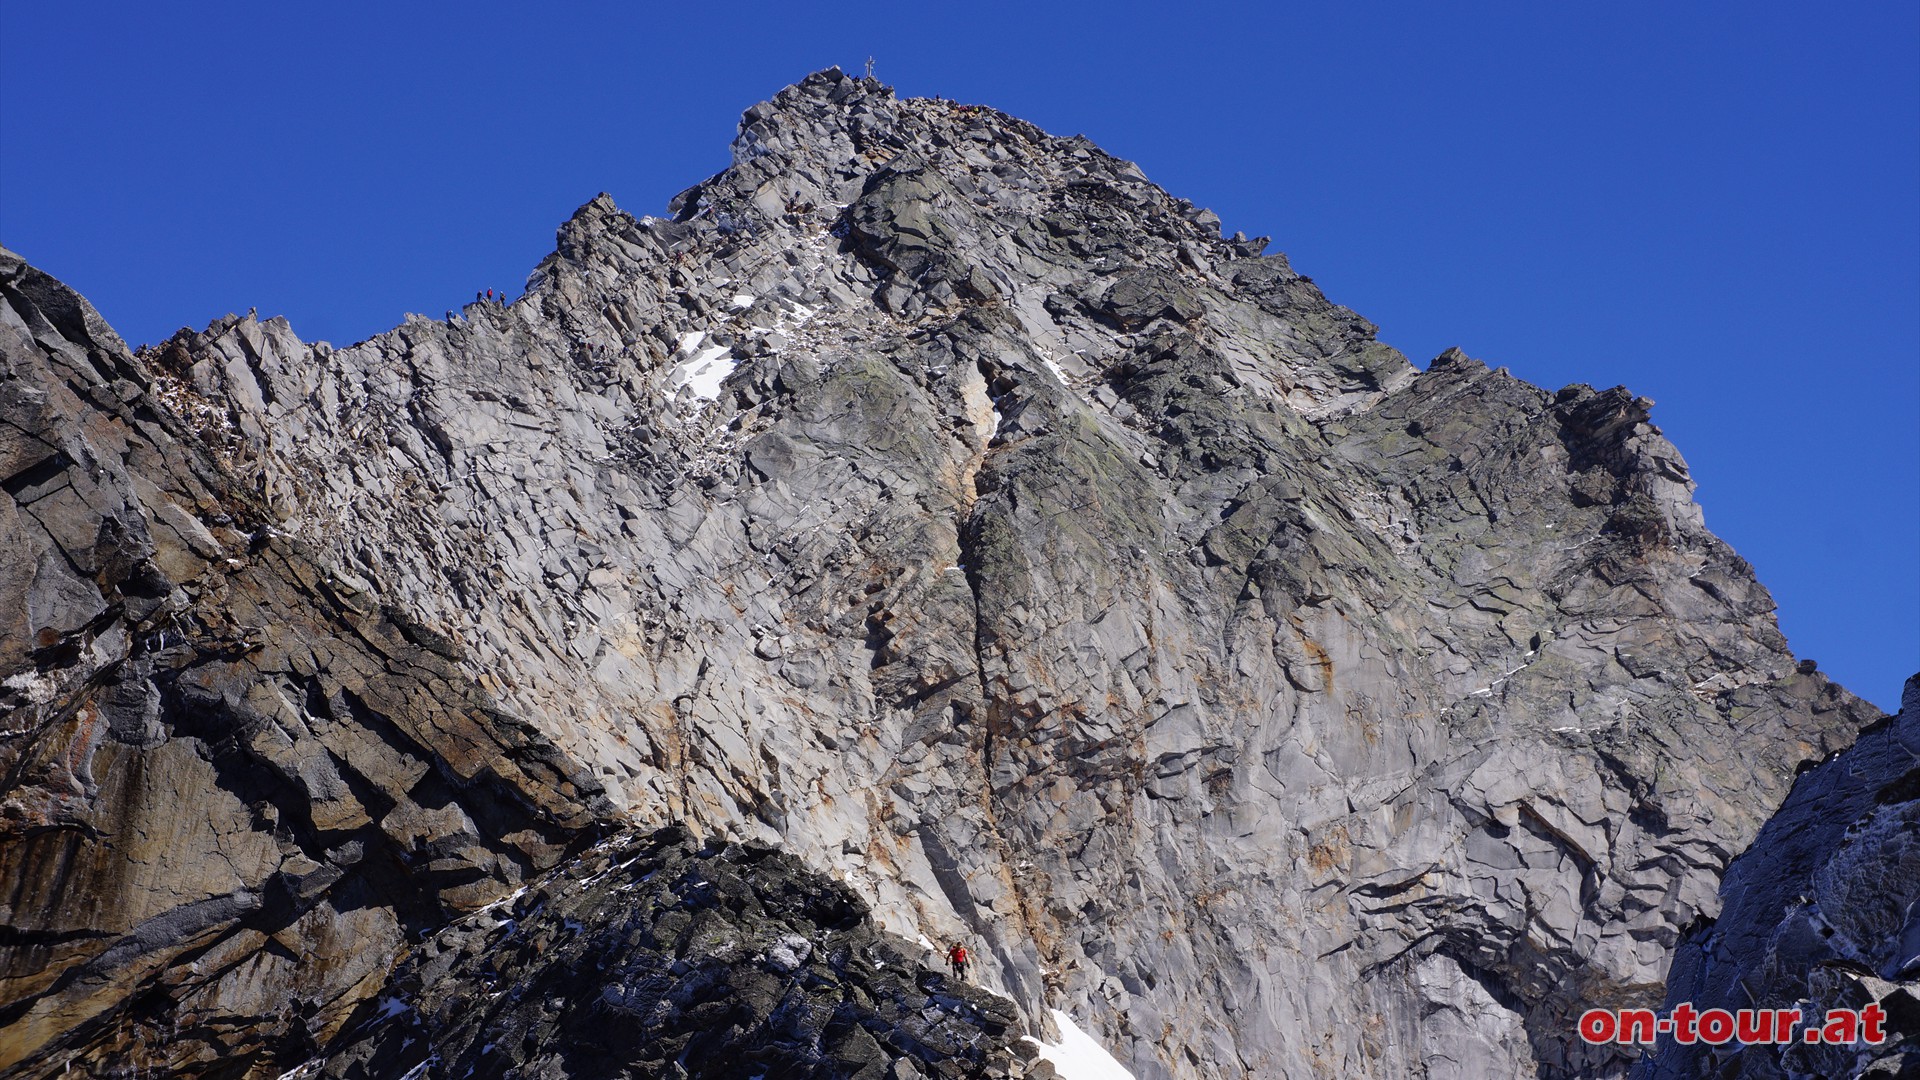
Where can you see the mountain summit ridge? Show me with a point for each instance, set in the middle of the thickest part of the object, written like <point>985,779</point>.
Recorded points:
<point>928,496</point>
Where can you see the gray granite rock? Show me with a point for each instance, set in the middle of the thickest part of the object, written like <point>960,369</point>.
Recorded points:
<point>236,778</point>
<point>942,502</point>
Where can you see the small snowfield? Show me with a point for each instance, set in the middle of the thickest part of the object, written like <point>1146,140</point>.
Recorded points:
<point>1076,1056</point>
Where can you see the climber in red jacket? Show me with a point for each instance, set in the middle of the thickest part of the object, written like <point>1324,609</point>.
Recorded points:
<point>957,956</point>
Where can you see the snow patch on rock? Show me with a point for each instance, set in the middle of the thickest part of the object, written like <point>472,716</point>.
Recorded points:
<point>1077,1056</point>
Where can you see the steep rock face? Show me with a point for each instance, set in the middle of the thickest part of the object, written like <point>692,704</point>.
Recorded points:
<point>945,502</point>
<point>1822,912</point>
<point>234,779</point>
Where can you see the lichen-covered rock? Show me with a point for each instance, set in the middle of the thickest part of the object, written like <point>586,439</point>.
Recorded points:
<point>940,500</point>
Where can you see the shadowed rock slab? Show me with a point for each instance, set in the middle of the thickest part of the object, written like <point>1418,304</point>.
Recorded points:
<point>1822,912</point>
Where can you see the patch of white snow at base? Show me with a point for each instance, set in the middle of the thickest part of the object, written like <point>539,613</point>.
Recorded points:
<point>1076,1056</point>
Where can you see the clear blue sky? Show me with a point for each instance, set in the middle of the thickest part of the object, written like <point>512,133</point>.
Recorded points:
<point>1717,204</point>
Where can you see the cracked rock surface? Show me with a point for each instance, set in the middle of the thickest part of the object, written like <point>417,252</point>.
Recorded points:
<point>235,777</point>
<point>937,500</point>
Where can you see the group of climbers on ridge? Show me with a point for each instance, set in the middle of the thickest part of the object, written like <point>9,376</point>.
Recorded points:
<point>484,296</point>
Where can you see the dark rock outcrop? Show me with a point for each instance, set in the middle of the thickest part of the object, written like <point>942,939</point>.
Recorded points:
<point>933,497</point>
<point>654,956</point>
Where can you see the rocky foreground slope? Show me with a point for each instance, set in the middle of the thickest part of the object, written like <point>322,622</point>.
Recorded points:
<point>937,501</point>
<point>649,952</point>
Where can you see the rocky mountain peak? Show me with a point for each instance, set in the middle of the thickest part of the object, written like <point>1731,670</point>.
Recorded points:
<point>927,497</point>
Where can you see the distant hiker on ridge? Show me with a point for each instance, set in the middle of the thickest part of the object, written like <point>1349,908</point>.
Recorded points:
<point>958,958</point>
